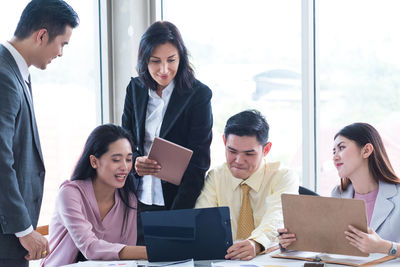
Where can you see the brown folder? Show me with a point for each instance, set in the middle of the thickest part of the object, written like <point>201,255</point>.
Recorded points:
<point>319,222</point>
<point>372,260</point>
<point>173,159</point>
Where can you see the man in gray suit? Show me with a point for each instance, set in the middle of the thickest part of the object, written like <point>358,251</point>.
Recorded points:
<point>44,28</point>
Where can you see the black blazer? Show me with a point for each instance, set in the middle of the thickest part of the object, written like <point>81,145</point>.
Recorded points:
<point>188,122</point>
<point>21,162</point>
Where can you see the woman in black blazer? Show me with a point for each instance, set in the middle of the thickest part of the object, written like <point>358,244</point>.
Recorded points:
<point>186,118</point>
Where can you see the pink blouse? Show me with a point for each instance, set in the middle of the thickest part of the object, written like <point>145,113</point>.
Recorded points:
<point>76,226</point>
<point>369,199</point>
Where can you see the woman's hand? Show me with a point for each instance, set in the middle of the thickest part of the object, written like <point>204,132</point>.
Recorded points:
<point>133,253</point>
<point>285,238</point>
<point>369,242</point>
<point>145,166</point>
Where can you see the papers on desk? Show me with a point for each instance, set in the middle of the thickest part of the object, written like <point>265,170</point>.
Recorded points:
<point>184,263</point>
<point>106,264</point>
<point>374,258</point>
<point>235,263</point>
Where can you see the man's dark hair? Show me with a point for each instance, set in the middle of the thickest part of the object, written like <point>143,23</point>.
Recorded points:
<point>248,123</point>
<point>52,15</point>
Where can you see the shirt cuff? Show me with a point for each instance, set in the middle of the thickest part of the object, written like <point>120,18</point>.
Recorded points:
<point>253,243</point>
<point>25,232</point>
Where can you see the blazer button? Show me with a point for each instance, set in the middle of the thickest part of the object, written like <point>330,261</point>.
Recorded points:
<point>41,174</point>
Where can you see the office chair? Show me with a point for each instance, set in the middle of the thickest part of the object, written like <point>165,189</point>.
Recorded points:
<point>305,191</point>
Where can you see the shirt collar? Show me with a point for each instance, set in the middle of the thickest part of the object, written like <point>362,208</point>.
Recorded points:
<point>255,180</point>
<point>21,63</point>
<point>166,93</point>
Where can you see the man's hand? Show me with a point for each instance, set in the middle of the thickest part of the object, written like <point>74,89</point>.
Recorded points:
<point>145,166</point>
<point>36,245</point>
<point>243,250</point>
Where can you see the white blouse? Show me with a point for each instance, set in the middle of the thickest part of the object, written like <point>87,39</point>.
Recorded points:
<point>150,189</point>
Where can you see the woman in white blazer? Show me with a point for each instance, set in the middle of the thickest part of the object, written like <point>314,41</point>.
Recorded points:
<point>366,173</point>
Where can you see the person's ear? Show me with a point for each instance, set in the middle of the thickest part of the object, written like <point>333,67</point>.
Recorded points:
<point>367,150</point>
<point>41,36</point>
<point>93,161</point>
<point>267,148</point>
<point>224,139</point>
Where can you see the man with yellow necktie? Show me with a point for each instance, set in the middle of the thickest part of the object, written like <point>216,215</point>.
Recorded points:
<point>249,186</point>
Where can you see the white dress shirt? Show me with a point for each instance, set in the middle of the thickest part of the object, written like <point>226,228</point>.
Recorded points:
<point>23,68</point>
<point>150,189</point>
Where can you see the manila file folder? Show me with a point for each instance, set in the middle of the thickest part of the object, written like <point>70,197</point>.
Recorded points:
<point>319,222</point>
<point>173,159</point>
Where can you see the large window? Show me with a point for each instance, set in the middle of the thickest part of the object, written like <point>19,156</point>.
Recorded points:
<point>249,54</point>
<point>359,75</point>
<point>66,96</point>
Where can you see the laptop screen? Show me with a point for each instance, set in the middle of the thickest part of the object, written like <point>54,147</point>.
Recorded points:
<point>199,234</point>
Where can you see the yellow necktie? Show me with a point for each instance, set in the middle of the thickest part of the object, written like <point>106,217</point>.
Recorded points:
<point>246,220</point>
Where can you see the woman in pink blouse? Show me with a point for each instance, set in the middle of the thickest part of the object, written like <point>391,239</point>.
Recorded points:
<point>95,216</point>
<point>366,173</point>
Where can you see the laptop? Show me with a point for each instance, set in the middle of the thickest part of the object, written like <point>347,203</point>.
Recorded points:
<point>199,234</point>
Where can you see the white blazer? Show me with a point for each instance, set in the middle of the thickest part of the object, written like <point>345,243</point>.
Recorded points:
<point>386,216</point>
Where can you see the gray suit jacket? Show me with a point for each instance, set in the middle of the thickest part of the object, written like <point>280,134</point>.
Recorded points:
<point>386,216</point>
<point>21,163</point>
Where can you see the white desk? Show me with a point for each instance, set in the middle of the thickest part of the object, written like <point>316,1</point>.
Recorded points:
<point>262,260</point>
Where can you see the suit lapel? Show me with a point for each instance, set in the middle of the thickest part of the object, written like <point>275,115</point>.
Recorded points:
<point>348,193</point>
<point>28,99</point>
<point>176,106</point>
<point>383,206</point>
<point>140,98</point>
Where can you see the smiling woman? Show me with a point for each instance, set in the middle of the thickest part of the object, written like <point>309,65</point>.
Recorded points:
<point>163,65</point>
<point>96,210</point>
<point>366,173</point>
<point>168,102</point>
<point>113,167</point>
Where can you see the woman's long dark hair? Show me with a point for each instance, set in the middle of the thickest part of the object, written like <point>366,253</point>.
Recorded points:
<point>98,144</point>
<point>378,162</point>
<point>159,33</point>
